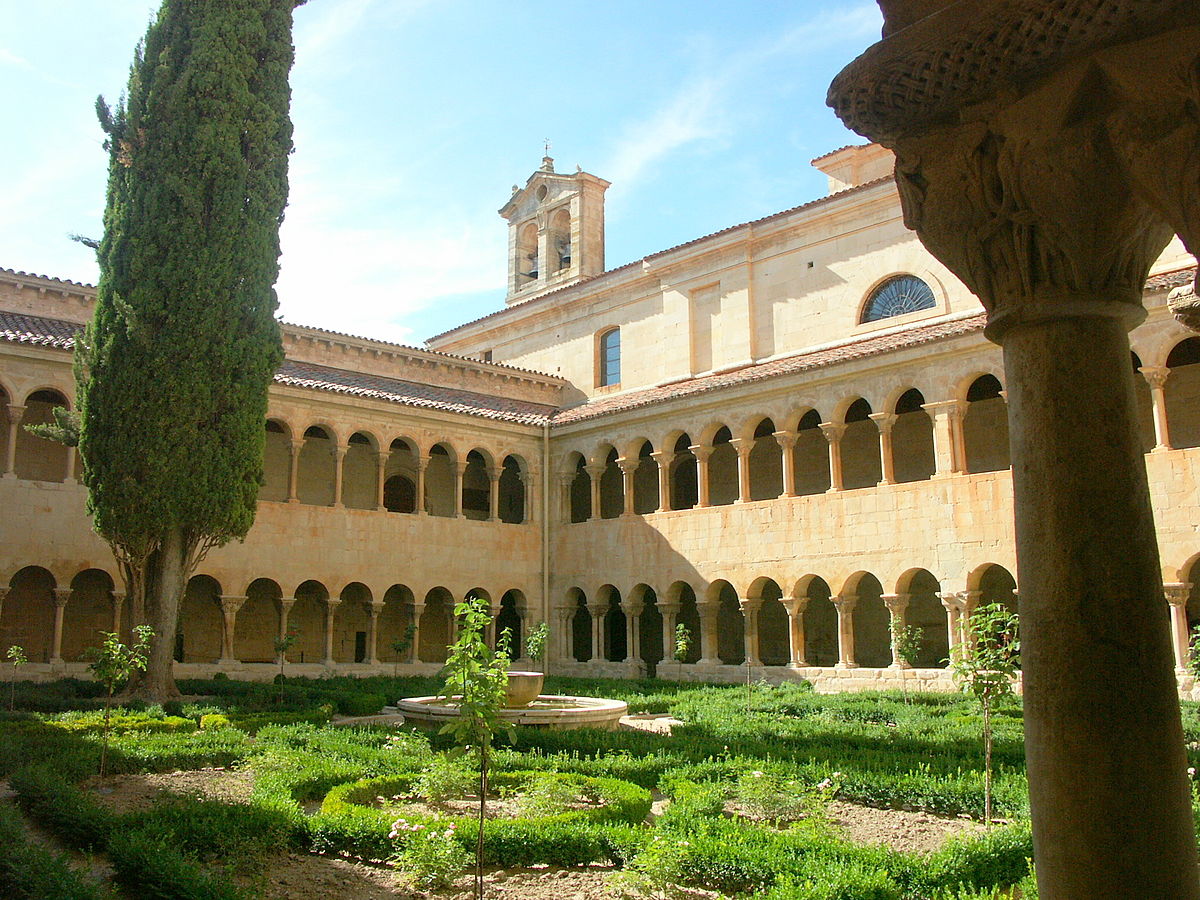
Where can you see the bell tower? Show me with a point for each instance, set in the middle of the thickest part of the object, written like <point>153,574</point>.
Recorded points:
<point>555,231</point>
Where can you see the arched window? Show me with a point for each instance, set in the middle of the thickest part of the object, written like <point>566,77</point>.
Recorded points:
<point>610,357</point>
<point>897,296</point>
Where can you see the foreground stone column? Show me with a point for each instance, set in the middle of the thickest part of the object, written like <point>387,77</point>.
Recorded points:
<point>1046,153</point>
<point>833,434</point>
<point>598,612</point>
<point>331,605</point>
<point>887,466</point>
<point>845,622</point>
<point>339,462</point>
<point>897,606</point>
<point>595,473</point>
<point>374,609</point>
<point>230,605</point>
<point>295,448</point>
<point>285,610</point>
<point>670,620</point>
<point>702,454</point>
<point>418,610</point>
<point>795,607</point>
<point>381,461</point>
<point>61,596</point>
<point>787,446</point>
<point>1177,597</point>
<point>708,610</point>
<point>742,447</point>
<point>628,467</point>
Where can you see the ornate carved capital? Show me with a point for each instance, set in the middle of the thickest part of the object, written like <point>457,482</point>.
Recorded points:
<point>1177,594</point>
<point>833,433</point>
<point>1156,376</point>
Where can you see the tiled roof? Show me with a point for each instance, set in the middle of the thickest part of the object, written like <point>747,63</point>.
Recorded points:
<point>1168,280</point>
<point>24,329</point>
<point>791,365</point>
<point>74,284</point>
<point>637,263</point>
<point>409,393</point>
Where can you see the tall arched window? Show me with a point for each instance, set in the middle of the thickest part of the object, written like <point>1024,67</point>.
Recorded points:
<point>897,296</point>
<point>610,357</point>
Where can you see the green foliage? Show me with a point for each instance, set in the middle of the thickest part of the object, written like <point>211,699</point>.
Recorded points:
<point>63,430</point>
<point>445,778</point>
<point>62,808</point>
<point>429,857</point>
<point>31,872</point>
<point>403,644</point>
<point>547,795</point>
<point>1194,655</point>
<point>683,642</point>
<point>146,866</point>
<point>113,663</point>
<point>535,642</point>
<point>774,798</point>
<point>16,658</point>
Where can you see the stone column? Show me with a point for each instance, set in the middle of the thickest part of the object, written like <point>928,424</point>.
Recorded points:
<point>787,446</point>
<point>380,477</point>
<point>15,414</point>
<point>294,471</point>
<point>285,610</point>
<point>61,596</point>
<point>897,605</point>
<point>709,610</point>
<point>1177,597</point>
<point>663,459</point>
<point>953,606</point>
<point>460,466</point>
<point>565,480</point>
<point>374,608</point>
<point>598,611</point>
<point>1156,377</point>
<point>331,605</point>
<point>530,509</point>
<point>633,629</point>
<point>565,633</point>
<point>628,467</point>
<point>117,599</point>
<point>887,465</point>
<point>339,458</point>
<point>670,619</point>
<point>798,655</point>
<point>595,472</point>
<point>750,607</point>
<point>702,454</point>
<point>946,415</point>
<point>69,477</point>
<point>493,475</point>
<point>833,434</point>
<point>418,609</point>
<point>845,622</point>
<point>742,447</point>
<point>1049,186</point>
<point>422,462</point>
<point>230,605</point>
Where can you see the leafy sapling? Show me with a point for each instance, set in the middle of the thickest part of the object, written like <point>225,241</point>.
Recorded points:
<point>16,658</point>
<point>985,668</point>
<point>683,642</point>
<point>535,642</point>
<point>402,645</point>
<point>113,664</point>
<point>282,645</point>
<point>907,641</point>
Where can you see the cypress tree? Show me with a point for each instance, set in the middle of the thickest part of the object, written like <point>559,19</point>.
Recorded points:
<point>174,368</point>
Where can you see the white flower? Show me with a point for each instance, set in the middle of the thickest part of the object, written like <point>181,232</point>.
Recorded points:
<point>757,774</point>
<point>1191,771</point>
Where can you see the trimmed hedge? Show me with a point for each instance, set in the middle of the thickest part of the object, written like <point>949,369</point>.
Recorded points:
<point>30,872</point>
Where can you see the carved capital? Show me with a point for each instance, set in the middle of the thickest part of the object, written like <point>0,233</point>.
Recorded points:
<point>1156,376</point>
<point>701,452</point>
<point>833,433</point>
<point>231,603</point>
<point>786,439</point>
<point>896,603</point>
<point>61,596</point>
<point>884,421</point>
<point>627,466</point>
<point>1177,594</point>
<point>15,414</point>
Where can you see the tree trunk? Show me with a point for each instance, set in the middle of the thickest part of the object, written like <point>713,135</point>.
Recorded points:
<point>164,592</point>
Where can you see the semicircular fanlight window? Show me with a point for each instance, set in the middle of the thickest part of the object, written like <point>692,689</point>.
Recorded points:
<point>898,296</point>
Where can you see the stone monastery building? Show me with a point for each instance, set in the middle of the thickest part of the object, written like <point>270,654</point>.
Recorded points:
<point>784,434</point>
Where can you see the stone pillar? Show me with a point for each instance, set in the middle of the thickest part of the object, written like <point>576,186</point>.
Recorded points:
<point>1177,597</point>
<point>663,459</point>
<point>887,465</point>
<point>1049,186</point>
<point>61,596</point>
<point>750,607</point>
<point>565,480</point>
<point>294,471</point>
<point>529,512</point>
<point>374,608</point>
<point>1156,377</point>
<point>953,606</point>
<point>633,629</point>
<point>702,454</point>
<point>565,633</point>
<point>418,609</point>
<point>331,605</point>
<point>787,446</point>
<point>946,415</point>
<point>285,610</point>
<point>339,458</point>
<point>595,472</point>
<point>833,434</point>
<point>69,477</point>
<point>798,655</point>
<point>742,447</point>
<point>897,605</point>
<point>598,611</point>
<point>628,467</point>
<point>15,414</point>
<point>709,610</point>
<point>422,462</point>
<point>380,477</point>
<point>460,466</point>
<point>670,620</point>
<point>845,622</point>
<point>230,605</point>
<point>493,475</point>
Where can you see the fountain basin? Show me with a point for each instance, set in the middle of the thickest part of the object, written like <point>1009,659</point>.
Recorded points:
<point>522,688</point>
<point>552,711</point>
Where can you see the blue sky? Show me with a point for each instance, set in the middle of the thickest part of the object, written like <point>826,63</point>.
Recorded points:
<point>415,117</point>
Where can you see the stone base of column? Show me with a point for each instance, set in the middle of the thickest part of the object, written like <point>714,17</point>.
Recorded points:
<point>846,665</point>
<point>709,663</point>
<point>228,662</point>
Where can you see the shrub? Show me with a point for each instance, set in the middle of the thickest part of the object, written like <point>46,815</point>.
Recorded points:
<point>149,869</point>
<point>62,808</point>
<point>444,778</point>
<point>430,858</point>
<point>30,872</point>
<point>213,721</point>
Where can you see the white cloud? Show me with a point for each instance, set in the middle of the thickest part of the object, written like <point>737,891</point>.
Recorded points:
<point>8,58</point>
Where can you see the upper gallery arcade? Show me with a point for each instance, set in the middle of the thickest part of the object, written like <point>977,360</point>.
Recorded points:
<point>785,434</point>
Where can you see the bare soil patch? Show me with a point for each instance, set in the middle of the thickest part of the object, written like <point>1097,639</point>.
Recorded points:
<point>911,831</point>
<point>132,793</point>
<point>497,807</point>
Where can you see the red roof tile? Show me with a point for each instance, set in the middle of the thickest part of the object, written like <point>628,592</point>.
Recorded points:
<point>24,329</point>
